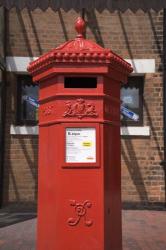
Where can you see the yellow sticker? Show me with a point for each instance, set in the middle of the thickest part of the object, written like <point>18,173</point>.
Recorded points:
<point>87,143</point>
<point>89,158</point>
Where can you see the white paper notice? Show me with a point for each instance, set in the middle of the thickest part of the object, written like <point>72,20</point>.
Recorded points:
<point>80,145</point>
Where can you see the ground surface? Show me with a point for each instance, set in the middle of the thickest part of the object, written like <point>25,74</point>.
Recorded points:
<point>142,230</point>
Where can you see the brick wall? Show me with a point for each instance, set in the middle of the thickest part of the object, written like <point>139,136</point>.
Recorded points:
<point>20,168</point>
<point>131,35</point>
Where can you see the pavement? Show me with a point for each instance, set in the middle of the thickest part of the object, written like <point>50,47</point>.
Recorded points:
<point>142,230</point>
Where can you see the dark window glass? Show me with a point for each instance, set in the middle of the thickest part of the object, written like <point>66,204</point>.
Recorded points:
<point>132,101</point>
<point>27,101</point>
<point>2,36</point>
<point>2,24</point>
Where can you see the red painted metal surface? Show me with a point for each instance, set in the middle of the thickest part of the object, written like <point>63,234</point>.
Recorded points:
<point>79,203</point>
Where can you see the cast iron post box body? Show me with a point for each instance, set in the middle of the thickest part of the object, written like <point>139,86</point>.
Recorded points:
<point>79,183</point>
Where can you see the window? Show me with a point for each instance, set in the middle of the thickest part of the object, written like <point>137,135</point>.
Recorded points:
<point>27,101</point>
<point>132,101</point>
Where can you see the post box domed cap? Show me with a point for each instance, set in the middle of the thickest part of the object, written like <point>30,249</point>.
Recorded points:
<point>80,27</point>
<point>79,51</point>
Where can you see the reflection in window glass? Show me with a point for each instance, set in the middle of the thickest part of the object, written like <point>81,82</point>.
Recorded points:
<point>27,101</point>
<point>130,97</point>
<point>132,100</point>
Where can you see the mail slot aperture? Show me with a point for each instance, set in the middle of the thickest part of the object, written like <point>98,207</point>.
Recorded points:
<point>80,82</point>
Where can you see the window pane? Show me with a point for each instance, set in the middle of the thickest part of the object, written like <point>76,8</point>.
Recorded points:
<point>28,111</point>
<point>131,97</point>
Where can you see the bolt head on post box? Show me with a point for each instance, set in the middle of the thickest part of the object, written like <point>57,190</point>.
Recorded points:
<point>79,180</point>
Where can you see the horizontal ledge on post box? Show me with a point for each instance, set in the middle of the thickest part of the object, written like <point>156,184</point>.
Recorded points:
<point>87,69</point>
<point>100,121</point>
<point>125,131</point>
<point>77,95</point>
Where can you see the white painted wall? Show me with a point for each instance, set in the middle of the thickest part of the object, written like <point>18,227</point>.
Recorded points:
<point>19,64</point>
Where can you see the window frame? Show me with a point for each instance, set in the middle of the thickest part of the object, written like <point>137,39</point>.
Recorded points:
<point>138,82</point>
<point>19,120</point>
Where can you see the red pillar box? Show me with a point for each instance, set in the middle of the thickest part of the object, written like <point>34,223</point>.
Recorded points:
<point>79,199</point>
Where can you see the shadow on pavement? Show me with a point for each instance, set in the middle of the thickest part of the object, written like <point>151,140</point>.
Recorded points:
<point>7,219</point>
<point>15,213</point>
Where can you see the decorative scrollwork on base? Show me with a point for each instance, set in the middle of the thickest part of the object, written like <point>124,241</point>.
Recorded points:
<point>80,109</point>
<point>81,212</point>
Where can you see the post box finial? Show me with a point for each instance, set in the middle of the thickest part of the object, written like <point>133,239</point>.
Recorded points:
<point>80,27</point>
